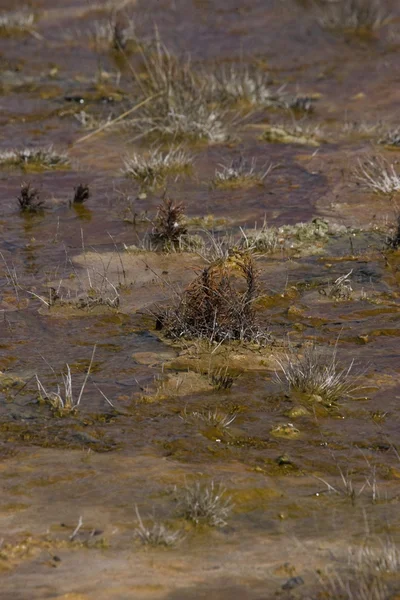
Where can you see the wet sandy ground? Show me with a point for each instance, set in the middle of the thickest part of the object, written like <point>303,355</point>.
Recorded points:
<point>101,462</point>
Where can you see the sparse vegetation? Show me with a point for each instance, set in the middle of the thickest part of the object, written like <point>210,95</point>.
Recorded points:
<point>156,534</point>
<point>63,401</point>
<point>46,158</point>
<point>210,418</point>
<point>81,194</point>
<point>378,175</point>
<point>152,170</point>
<point>114,33</point>
<point>239,173</point>
<point>204,504</point>
<point>392,138</point>
<point>222,379</point>
<point>340,289</point>
<point>352,15</point>
<point>17,22</point>
<point>169,226</point>
<point>393,240</point>
<point>29,200</point>
<point>214,307</point>
<point>383,556</point>
<point>316,373</point>
<point>180,107</point>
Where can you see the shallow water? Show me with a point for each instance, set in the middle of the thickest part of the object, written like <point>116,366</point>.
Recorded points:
<point>282,452</point>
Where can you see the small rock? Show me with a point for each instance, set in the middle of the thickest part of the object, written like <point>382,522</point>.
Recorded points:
<point>292,583</point>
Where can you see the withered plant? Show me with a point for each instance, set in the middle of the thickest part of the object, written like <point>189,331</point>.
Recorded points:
<point>169,226</point>
<point>81,194</point>
<point>218,305</point>
<point>393,241</point>
<point>28,199</point>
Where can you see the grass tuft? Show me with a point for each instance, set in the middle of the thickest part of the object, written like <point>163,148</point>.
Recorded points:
<point>181,106</point>
<point>239,173</point>
<point>17,22</point>
<point>378,175</point>
<point>28,199</point>
<point>316,373</point>
<point>157,166</point>
<point>81,194</point>
<point>210,418</point>
<point>393,241</point>
<point>204,505</point>
<point>156,534</point>
<point>41,157</point>
<point>169,226</point>
<point>353,15</point>
<point>218,305</point>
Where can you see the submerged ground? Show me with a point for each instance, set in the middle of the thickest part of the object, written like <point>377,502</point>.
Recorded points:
<point>311,482</point>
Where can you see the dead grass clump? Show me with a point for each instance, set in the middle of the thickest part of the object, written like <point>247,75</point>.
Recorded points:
<point>63,401</point>
<point>244,85</point>
<point>115,33</point>
<point>378,175</point>
<point>28,199</point>
<point>316,373</point>
<point>180,107</point>
<point>222,379</point>
<point>210,418</point>
<point>18,22</point>
<point>263,241</point>
<point>393,241</point>
<point>46,158</point>
<point>152,170</point>
<point>81,194</point>
<point>215,308</point>
<point>340,289</point>
<point>353,586</point>
<point>204,505</point>
<point>239,173</point>
<point>156,534</point>
<point>353,15</point>
<point>381,557</point>
<point>169,226</point>
<point>392,138</point>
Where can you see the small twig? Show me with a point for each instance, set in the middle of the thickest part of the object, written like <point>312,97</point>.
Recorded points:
<point>77,528</point>
<point>109,123</point>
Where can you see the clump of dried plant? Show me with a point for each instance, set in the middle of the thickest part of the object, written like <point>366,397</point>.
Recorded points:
<point>239,173</point>
<point>152,170</point>
<point>169,226</point>
<point>211,418</point>
<point>178,104</point>
<point>204,505</point>
<point>47,158</point>
<point>29,200</point>
<point>378,175</point>
<point>81,194</point>
<point>340,289</point>
<point>218,305</point>
<point>157,533</point>
<point>16,22</point>
<point>316,372</point>
<point>352,15</point>
<point>393,240</point>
